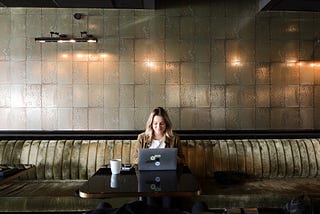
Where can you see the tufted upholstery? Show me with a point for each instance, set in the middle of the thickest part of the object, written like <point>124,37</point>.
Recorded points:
<point>62,164</point>
<point>264,158</point>
<point>64,159</point>
<point>79,159</point>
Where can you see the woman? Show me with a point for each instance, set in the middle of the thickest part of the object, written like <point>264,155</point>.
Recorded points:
<point>158,134</point>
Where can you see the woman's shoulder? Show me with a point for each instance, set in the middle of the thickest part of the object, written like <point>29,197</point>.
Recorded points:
<point>142,135</point>
<point>175,134</point>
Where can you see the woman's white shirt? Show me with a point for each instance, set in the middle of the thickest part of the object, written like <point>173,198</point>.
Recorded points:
<point>158,144</point>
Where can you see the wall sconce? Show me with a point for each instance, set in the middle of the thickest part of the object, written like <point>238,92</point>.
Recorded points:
<point>61,38</point>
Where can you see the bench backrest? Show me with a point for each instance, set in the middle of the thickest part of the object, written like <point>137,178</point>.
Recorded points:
<point>79,159</point>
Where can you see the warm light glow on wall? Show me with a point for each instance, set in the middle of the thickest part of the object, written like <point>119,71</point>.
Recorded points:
<point>85,56</point>
<point>103,56</point>
<point>236,62</point>
<point>292,28</point>
<point>315,64</point>
<point>93,57</point>
<point>300,63</point>
<point>65,56</point>
<point>80,55</point>
<point>303,63</point>
<point>291,62</point>
<point>149,63</point>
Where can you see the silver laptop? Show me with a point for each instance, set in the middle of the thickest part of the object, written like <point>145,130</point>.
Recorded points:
<point>157,159</point>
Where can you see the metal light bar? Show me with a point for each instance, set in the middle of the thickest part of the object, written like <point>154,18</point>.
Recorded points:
<point>63,38</point>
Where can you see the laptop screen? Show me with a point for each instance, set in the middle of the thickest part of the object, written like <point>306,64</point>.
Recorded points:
<point>157,159</point>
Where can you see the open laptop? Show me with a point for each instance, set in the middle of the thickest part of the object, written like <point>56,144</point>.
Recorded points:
<point>157,159</point>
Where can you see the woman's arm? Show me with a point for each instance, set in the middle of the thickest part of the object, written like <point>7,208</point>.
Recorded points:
<point>137,146</point>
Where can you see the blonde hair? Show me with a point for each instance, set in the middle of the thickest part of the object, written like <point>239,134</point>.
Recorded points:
<point>163,113</point>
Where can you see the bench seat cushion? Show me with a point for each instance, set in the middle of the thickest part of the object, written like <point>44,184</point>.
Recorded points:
<point>272,193</point>
<point>48,195</point>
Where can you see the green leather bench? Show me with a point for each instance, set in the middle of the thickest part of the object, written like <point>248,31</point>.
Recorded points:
<point>274,167</point>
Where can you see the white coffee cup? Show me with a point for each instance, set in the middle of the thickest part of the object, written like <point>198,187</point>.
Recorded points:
<point>115,165</point>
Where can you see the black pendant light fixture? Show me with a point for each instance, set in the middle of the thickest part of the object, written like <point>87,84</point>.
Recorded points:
<point>63,38</point>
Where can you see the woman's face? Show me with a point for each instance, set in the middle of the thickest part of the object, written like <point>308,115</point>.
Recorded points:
<point>158,125</point>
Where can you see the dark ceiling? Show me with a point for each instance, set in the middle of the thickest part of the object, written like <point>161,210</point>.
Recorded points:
<point>125,4</point>
<point>264,5</point>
